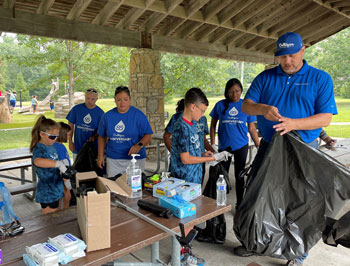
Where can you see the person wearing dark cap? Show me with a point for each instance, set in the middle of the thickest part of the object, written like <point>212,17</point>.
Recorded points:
<point>291,96</point>
<point>84,119</point>
<point>123,131</point>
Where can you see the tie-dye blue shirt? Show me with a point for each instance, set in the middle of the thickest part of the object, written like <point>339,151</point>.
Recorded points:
<point>185,138</point>
<point>50,183</point>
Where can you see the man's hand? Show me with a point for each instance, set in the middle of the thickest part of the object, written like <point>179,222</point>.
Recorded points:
<point>100,161</point>
<point>329,141</point>
<point>207,154</point>
<point>271,113</point>
<point>134,149</point>
<point>222,156</point>
<point>286,125</point>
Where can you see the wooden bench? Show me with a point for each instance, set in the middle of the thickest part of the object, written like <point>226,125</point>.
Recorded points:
<point>18,165</point>
<point>22,188</point>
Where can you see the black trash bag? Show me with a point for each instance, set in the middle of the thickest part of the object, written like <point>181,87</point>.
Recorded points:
<point>215,230</point>
<point>283,210</point>
<point>86,160</point>
<point>337,231</point>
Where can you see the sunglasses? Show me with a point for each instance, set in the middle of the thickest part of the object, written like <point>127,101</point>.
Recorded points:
<point>92,91</point>
<point>50,136</point>
<point>121,88</point>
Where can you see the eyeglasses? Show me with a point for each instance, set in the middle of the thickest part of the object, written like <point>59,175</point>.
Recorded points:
<point>92,91</point>
<point>203,111</point>
<point>50,136</point>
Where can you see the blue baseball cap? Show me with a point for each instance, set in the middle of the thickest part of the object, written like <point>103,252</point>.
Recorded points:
<point>289,43</point>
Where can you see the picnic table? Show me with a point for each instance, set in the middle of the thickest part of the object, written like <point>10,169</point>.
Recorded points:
<point>17,157</point>
<point>128,232</point>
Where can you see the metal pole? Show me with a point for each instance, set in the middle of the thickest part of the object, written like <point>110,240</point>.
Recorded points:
<point>20,98</point>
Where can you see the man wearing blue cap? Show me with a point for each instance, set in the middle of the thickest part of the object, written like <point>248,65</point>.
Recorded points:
<point>291,96</point>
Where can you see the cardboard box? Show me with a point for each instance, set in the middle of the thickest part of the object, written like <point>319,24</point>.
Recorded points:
<point>180,207</point>
<point>94,211</point>
<point>189,191</point>
<point>165,188</point>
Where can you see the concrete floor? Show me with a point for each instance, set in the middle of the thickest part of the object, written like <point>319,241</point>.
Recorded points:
<point>214,254</point>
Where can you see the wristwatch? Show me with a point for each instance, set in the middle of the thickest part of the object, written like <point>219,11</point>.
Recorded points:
<point>140,144</point>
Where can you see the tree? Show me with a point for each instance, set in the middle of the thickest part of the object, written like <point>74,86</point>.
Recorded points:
<point>21,86</point>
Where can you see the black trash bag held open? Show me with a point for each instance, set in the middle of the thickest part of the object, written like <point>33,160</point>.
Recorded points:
<point>215,230</point>
<point>337,232</point>
<point>86,159</point>
<point>283,210</point>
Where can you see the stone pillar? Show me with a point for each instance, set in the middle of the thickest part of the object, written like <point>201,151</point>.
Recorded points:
<point>146,86</point>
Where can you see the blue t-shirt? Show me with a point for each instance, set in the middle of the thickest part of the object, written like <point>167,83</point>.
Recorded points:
<point>50,182</point>
<point>62,152</point>
<point>85,122</point>
<point>124,131</point>
<point>185,139</point>
<point>303,94</point>
<point>202,127</point>
<point>233,124</point>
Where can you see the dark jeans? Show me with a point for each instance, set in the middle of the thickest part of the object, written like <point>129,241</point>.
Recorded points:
<point>240,158</point>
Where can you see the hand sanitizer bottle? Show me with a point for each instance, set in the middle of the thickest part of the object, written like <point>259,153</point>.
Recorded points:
<point>134,177</point>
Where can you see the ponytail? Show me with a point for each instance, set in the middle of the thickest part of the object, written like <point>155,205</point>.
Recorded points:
<point>42,124</point>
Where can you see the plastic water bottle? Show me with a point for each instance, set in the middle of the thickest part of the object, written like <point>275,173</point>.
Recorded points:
<point>134,177</point>
<point>221,191</point>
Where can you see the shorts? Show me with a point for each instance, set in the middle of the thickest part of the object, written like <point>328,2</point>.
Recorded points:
<point>13,103</point>
<point>52,205</point>
<point>34,107</point>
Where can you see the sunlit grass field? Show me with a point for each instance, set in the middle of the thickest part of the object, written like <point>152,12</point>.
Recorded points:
<point>17,133</point>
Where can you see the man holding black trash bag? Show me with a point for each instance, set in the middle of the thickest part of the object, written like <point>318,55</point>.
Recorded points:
<point>291,96</point>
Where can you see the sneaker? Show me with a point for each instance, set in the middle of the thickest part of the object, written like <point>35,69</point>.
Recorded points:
<point>294,262</point>
<point>241,251</point>
<point>191,260</point>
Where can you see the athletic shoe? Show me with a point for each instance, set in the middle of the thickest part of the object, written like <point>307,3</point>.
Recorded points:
<point>241,251</point>
<point>191,260</point>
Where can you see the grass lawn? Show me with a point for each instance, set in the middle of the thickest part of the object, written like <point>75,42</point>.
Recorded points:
<point>21,126</point>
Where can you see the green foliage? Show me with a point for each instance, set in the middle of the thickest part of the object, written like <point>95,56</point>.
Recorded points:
<point>332,55</point>
<point>22,86</point>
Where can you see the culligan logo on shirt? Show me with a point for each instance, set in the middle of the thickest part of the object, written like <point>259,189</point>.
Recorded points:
<point>87,119</point>
<point>233,111</point>
<point>120,127</point>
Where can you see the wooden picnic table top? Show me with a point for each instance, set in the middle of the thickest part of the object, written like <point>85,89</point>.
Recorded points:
<point>128,232</point>
<point>15,154</point>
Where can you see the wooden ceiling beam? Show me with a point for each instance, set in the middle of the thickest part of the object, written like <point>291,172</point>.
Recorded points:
<point>9,3</point>
<point>44,7</point>
<point>172,25</point>
<point>157,18</point>
<point>275,22</point>
<point>78,9</point>
<point>59,28</point>
<point>243,40</point>
<point>204,31</point>
<point>248,13</point>
<point>136,15</point>
<point>236,8</point>
<point>193,6</point>
<point>324,30</point>
<point>273,9</point>
<point>341,4</point>
<point>218,35</point>
<point>188,28</point>
<point>254,43</point>
<point>107,12</point>
<point>287,23</point>
<point>214,7</point>
<point>329,6</point>
<point>233,36</point>
<point>305,19</point>
<point>190,47</point>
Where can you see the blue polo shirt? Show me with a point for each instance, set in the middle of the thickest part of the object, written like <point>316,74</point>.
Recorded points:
<point>233,124</point>
<point>202,127</point>
<point>85,122</point>
<point>123,131</point>
<point>303,94</point>
<point>185,139</point>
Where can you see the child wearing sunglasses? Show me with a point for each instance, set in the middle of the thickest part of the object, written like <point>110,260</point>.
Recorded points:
<point>64,135</point>
<point>49,189</point>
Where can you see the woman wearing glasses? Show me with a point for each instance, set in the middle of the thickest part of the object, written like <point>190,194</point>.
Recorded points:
<point>122,131</point>
<point>233,130</point>
<point>49,189</point>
